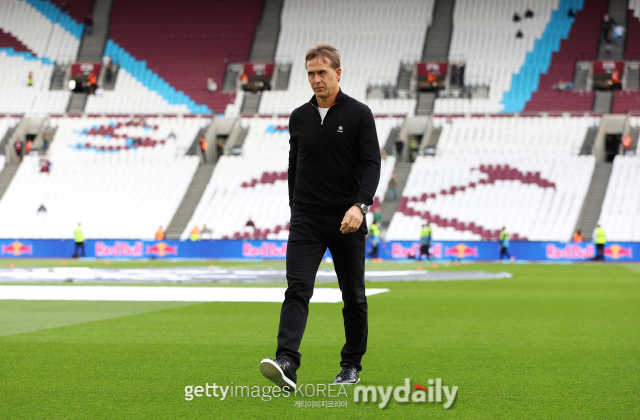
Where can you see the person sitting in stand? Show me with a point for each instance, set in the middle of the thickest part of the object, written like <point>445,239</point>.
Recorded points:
<point>561,85</point>
<point>519,34</point>
<point>45,166</point>
<point>516,17</point>
<point>212,86</point>
<point>30,79</point>
<point>528,14</point>
<point>250,223</point>
<point>42,209</point>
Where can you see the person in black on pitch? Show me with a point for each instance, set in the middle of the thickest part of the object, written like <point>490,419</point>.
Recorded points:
<point>334,170</point>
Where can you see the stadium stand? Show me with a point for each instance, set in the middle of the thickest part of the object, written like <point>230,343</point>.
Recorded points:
<point>34,36</point>
<point>255,183</point>
<point>373,40</point>
<point>78,9</point>
<point>120,178</point>
<point>582,44</point>
<point>632,51</point>
<point>625,100</point>
<point>484,39</point>
<point>17,96</point>
<point>6,123</point>
<point>173,57</point>
<point>621,208</point>
<point>43,28</point>
<point>520,172</point>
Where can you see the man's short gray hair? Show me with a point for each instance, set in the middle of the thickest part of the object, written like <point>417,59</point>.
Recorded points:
<point>326,51</point>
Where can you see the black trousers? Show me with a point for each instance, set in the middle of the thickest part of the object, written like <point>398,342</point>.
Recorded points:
<point>309,237</point>
<point>424,250</point>
<point>504,252</point>
<point>374,250</point>
<point>79,246</point>
<point>600,252</point>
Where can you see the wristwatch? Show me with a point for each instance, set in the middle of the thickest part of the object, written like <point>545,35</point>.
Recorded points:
<point>363,208</point>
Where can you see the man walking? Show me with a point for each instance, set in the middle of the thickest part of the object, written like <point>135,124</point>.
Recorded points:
<point>334,169</point>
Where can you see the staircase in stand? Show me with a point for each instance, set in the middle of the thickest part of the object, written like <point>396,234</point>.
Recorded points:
<point>426,101</point>
<point>388,208</point>
<point>603,101</point>
<point>6,176</point>
<point>618,11</point>
<point>436,45</point>
<point>251,103</point>
<point>57,77</point>
<point>265,39</point>
<point>92,46</point>
<point>190,201</point>
<point>589,141</point>
<point>77,103</point>
<point>593,202</point>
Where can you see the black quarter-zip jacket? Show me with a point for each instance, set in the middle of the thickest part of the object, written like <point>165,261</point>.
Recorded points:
<point>336,163</point>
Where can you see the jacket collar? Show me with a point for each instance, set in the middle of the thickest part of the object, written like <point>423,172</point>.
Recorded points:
<point>341,98</point>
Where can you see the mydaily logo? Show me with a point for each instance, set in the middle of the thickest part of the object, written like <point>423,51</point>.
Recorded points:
<point>432,393</point>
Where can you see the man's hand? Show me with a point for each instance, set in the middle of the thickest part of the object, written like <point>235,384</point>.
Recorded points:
<point>352,220</point>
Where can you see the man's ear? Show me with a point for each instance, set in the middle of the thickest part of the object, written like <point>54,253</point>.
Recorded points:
<point>339,73</point>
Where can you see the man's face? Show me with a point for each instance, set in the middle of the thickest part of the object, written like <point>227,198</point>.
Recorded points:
<point>322,77</point>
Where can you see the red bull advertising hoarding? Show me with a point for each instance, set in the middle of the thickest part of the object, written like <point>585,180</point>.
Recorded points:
<point>252,249</point>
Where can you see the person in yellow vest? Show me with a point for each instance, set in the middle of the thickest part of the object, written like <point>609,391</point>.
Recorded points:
<point>600,238</point>
<point>79,239</point>
<point>160,234</point>
<point>195,234</point>
<point>425,241</point>
<point>374,237</point>
<point>504,244</point>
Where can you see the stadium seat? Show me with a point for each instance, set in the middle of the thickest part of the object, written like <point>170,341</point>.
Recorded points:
<point>101,179</point>
<point>519,172</point>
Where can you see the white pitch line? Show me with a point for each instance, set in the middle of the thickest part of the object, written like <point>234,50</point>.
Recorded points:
<point>165,294</point>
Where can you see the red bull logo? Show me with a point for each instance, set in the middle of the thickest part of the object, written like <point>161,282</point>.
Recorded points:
<point>119,249</point>
<point>616,252</point>
<point>161,249</point>
<point>570,252</point>
<point>400,251</point>
<point>265,250</point>
<point>461,251</point>
<point>16,249</point>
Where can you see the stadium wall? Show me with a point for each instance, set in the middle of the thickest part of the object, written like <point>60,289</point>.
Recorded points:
<point>238,249</point>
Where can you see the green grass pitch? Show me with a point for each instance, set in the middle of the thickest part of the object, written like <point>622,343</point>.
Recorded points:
<point>553,342</point>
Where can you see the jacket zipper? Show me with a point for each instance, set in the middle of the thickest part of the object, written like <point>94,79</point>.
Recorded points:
<point>325,115</point>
